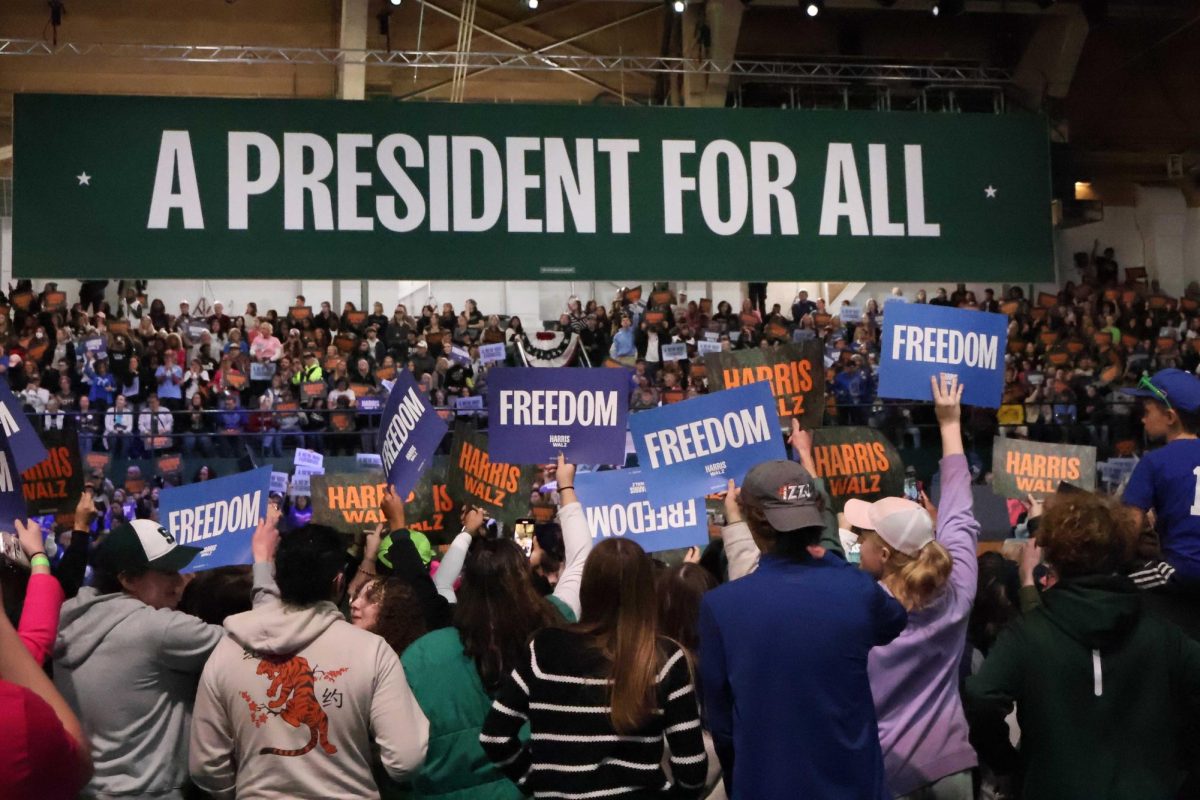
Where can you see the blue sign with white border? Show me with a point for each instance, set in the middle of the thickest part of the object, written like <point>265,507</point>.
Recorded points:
<point>921,340</point>
<point>536,413</point>
<point>218,516</point>
<point>616,503</point>
<point>692,449</point>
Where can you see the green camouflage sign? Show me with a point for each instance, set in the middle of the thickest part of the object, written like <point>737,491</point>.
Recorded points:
<point>185,187</point>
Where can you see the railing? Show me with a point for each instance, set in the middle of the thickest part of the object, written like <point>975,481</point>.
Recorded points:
<point>226,434</point>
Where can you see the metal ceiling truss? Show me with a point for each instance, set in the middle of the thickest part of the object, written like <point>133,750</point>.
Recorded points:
<point>966,76</point>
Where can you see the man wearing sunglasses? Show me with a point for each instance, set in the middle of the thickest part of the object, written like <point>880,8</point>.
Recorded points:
<point>1167,479</point>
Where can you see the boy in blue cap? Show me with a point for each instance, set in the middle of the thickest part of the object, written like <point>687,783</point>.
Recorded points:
<point>1167,480</point>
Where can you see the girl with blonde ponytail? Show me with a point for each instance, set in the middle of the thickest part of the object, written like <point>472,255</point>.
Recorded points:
<point>930,567</point>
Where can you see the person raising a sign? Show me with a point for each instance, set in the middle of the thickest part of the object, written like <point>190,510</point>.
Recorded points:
<point>914,679</point>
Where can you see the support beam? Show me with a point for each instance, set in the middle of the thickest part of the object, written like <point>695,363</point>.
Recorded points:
<point>522,49</point>
<point>1048,63</point>
<point>711,32</point>
<point>352,37</point>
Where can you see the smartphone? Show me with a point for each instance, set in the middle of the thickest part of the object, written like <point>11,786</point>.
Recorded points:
<point>912,489</point>
<point>523,533</point>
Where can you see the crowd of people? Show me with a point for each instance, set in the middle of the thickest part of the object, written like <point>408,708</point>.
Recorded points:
<point>138,379</point>
<point>769,665</point>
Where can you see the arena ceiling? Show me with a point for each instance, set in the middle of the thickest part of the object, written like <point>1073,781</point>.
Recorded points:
<point>1117,79</point>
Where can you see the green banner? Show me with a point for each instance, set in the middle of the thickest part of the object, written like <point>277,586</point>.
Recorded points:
<point>179,187</point>
<point>348,501</point>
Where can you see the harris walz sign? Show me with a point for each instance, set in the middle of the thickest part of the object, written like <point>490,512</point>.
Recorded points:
<point>796,373</point>
<point>54,485</point>
<point>857,462</point>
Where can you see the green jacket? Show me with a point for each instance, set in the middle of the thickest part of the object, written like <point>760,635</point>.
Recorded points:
<point>1104,695</point>
<point>449,691</point>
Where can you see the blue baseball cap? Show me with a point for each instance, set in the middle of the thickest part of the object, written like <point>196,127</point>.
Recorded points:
<point>1178,389</point>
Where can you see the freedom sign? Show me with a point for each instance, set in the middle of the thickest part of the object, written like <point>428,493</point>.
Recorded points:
<point>616,503</point>
<point>218,516</point>
<point>921,341</point>
<point>229,188</point>
<point>1021,468</point>
<point>692,449</point>
<point>475,479</point>
<point>23,442</point>
<point>12,500</point>
<point>857,462</point>
<point>795,373</point>
<point>409,434</point>
<point>536,413</point>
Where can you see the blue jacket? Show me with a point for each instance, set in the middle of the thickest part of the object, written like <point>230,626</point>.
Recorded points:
<point>783,674</point>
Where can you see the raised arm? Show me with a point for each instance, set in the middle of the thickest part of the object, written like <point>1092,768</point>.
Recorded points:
<point>740,549</point>
<point>577,537</point>
<point>957,528</point>
<point>802,444</point>
<point>407,563</point>
<point>43,596</point>
<point>452,561</point>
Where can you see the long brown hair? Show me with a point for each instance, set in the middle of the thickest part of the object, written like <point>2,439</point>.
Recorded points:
<point>619,610</point>
<point>498,609</point>
<point>680,590</point>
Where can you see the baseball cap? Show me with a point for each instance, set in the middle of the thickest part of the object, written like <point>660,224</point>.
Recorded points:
<point>143,544</point>
<point>786,494</point>
<point>420,542</point>
<point>1178,389</point>
<point>903,524</point>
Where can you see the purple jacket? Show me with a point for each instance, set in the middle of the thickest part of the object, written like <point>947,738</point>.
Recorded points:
<point>914,679</point>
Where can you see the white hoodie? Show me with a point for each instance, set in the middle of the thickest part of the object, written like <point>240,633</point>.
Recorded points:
<point>291,702</point>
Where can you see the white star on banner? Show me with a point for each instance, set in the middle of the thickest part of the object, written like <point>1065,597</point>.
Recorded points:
<point>84,179</point>
<point>990,192</point>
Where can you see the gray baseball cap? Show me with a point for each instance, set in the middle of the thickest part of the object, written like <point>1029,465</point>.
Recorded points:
<point>786,493</point>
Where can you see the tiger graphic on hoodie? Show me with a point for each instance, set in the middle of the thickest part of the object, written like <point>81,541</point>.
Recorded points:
<point>292,688</point>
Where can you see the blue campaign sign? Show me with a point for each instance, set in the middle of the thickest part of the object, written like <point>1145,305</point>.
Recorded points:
<point>536,413</point>
<point>921,340</point>
<point>409,434</point>
<point>218,516</point>
<point>616,503</point>
<point>691,449</point>
<point>23,442</point>
<point>12,498</point>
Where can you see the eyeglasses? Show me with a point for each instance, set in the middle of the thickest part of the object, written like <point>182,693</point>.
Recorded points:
<point>1158,393</point>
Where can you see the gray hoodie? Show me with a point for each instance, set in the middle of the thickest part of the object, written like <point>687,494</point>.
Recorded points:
<point>291,703</point>
<point>129,671</point>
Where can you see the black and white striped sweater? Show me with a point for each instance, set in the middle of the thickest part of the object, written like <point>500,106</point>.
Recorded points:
<point>573,752</point>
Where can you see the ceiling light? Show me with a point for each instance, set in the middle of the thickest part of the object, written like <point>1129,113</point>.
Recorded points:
<point>813,8</point>
<point>679,6</point>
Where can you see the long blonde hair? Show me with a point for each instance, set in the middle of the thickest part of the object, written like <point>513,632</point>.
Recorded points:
<point>915,581</point>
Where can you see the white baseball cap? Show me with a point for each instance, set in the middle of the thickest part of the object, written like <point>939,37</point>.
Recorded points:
<point>905,526</point>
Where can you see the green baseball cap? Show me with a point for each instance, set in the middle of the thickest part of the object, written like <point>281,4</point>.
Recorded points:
<point>419,540</point>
